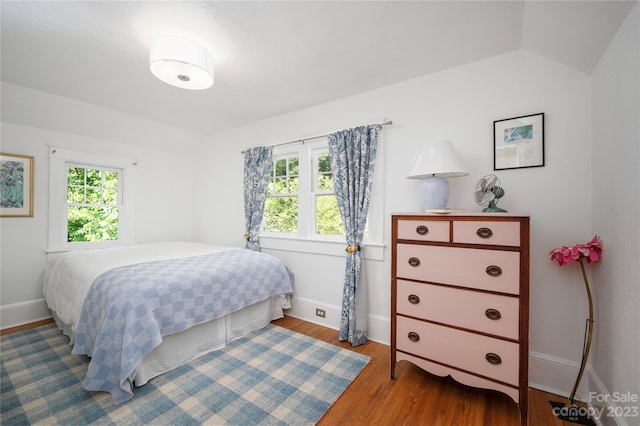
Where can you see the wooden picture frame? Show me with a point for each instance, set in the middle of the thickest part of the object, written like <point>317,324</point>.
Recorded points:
<point>518,142</point>
<point>16,185</point>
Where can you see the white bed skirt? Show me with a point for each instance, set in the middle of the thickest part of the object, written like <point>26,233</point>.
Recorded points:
<point>180,348</point>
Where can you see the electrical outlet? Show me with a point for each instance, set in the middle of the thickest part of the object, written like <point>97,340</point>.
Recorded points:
<point>321,313</point>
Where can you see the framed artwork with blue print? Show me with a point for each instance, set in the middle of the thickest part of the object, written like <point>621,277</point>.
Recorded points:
<point>518,142</point>
<point>16,185</point>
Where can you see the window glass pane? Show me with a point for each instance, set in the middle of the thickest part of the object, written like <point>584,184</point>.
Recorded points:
<point>110,197</point>
<point>93,177</point>
<point>281,214</point>
<point>324,178</point>
<point>281,185</point>
<point>88,224</point>
<point>94,195</point>
<point>110,179</point>
<point>294,168</point>
<point>281,167</point>
<point>324,165</point>
<point>328,220</point>
<point>293,185</point>
<point>325,183</point>
<point>75,194</point>
<point>75,176</point>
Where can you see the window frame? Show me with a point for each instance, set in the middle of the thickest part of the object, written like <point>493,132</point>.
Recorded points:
<point>306,240</point>
<point>59,160</point>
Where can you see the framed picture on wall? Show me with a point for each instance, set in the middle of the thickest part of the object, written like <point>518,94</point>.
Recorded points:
<point>518,142</point>
<point>16,185</point>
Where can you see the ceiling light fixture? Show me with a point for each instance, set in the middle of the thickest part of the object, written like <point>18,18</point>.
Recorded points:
<point>181,63</point>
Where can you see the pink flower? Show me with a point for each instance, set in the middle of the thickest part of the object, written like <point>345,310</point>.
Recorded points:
<point>590,251</point>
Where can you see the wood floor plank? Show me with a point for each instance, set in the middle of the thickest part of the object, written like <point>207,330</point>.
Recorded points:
<point>25,326</point>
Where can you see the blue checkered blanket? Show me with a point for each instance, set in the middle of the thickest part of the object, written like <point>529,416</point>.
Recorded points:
<point>129,309</point>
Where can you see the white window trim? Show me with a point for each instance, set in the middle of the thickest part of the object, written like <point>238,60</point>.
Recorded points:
<point>58,159</point>
<point>333,245</point>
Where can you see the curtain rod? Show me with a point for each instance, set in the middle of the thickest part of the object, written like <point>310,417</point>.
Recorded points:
<point>302,141</point>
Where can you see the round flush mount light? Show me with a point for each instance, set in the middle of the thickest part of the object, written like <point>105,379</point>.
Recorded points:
<point>181,63</point>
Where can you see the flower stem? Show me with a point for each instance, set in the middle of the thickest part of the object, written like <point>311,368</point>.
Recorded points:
<point>587,346</point>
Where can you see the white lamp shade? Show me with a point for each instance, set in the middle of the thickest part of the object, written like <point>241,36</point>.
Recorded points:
<point>438,158</point>
<point>181,63</point>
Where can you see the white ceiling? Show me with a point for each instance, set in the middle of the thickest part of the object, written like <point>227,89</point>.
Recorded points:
<point>274,57</point>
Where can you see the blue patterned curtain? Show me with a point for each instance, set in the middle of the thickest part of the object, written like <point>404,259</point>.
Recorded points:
<point>353,153</point>
<point>257,164</point>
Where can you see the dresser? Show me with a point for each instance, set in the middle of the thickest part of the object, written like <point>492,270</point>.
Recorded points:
<point>460,298</point>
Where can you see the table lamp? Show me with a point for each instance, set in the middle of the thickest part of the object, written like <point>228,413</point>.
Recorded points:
<point>435,162</point>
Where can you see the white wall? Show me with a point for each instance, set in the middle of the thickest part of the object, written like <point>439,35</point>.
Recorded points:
<point>164,188</point>
<point>461,105</point>
<point>616,216</point>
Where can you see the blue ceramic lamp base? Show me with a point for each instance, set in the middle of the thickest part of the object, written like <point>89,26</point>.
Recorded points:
<point>434,192</point>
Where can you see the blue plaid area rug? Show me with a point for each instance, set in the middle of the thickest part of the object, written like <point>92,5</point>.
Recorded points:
<point>272,376</point>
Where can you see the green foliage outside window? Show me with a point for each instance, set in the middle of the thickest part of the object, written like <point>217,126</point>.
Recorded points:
<point>281,207</point>
<point>328,220</point>
<point>281,215</point>
<point>92,205</point>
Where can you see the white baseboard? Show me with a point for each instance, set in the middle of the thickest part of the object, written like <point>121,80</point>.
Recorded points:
<point>556,375</point>
<point>606,408</point>
<point>16,314</point>
<point>305,309</point>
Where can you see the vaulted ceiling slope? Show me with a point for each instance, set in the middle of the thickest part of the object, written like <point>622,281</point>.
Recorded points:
<point>275,57</point>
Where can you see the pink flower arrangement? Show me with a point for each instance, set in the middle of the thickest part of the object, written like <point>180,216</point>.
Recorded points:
<point>590,252</point>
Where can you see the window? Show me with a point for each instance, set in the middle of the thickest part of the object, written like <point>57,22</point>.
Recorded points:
<point>301,210</point>
<point>89,203</point>
<point>93,203</point>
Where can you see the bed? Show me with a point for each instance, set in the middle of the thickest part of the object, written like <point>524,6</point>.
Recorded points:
<point>139,311</point>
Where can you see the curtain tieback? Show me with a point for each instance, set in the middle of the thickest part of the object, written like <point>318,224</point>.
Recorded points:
<point>353,249</point>
<point>250,239</point>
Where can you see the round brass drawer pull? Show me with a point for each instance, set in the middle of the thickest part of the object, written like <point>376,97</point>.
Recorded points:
<point>493,314</point>
<point>414,337</point>
<point>422,230</point>
<point>484,233</point>
<point>493,359</point>
<point>494,271</point>
<point>414,261</point>
<point>413,299</point>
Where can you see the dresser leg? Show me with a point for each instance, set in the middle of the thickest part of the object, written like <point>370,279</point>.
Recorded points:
<point>524,413</point>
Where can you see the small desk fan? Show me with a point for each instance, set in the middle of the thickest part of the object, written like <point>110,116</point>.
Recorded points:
<point>487,193</point>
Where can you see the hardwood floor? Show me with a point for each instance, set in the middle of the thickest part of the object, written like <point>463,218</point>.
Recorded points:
<point>25,326</point>
<point>417,397</point>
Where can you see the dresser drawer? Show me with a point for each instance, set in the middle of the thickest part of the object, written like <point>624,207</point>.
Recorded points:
<point>424,230</point>
<point>488,313</point>
<point>486,356</point>
<point>494,233</point>
<point>493,270</point>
